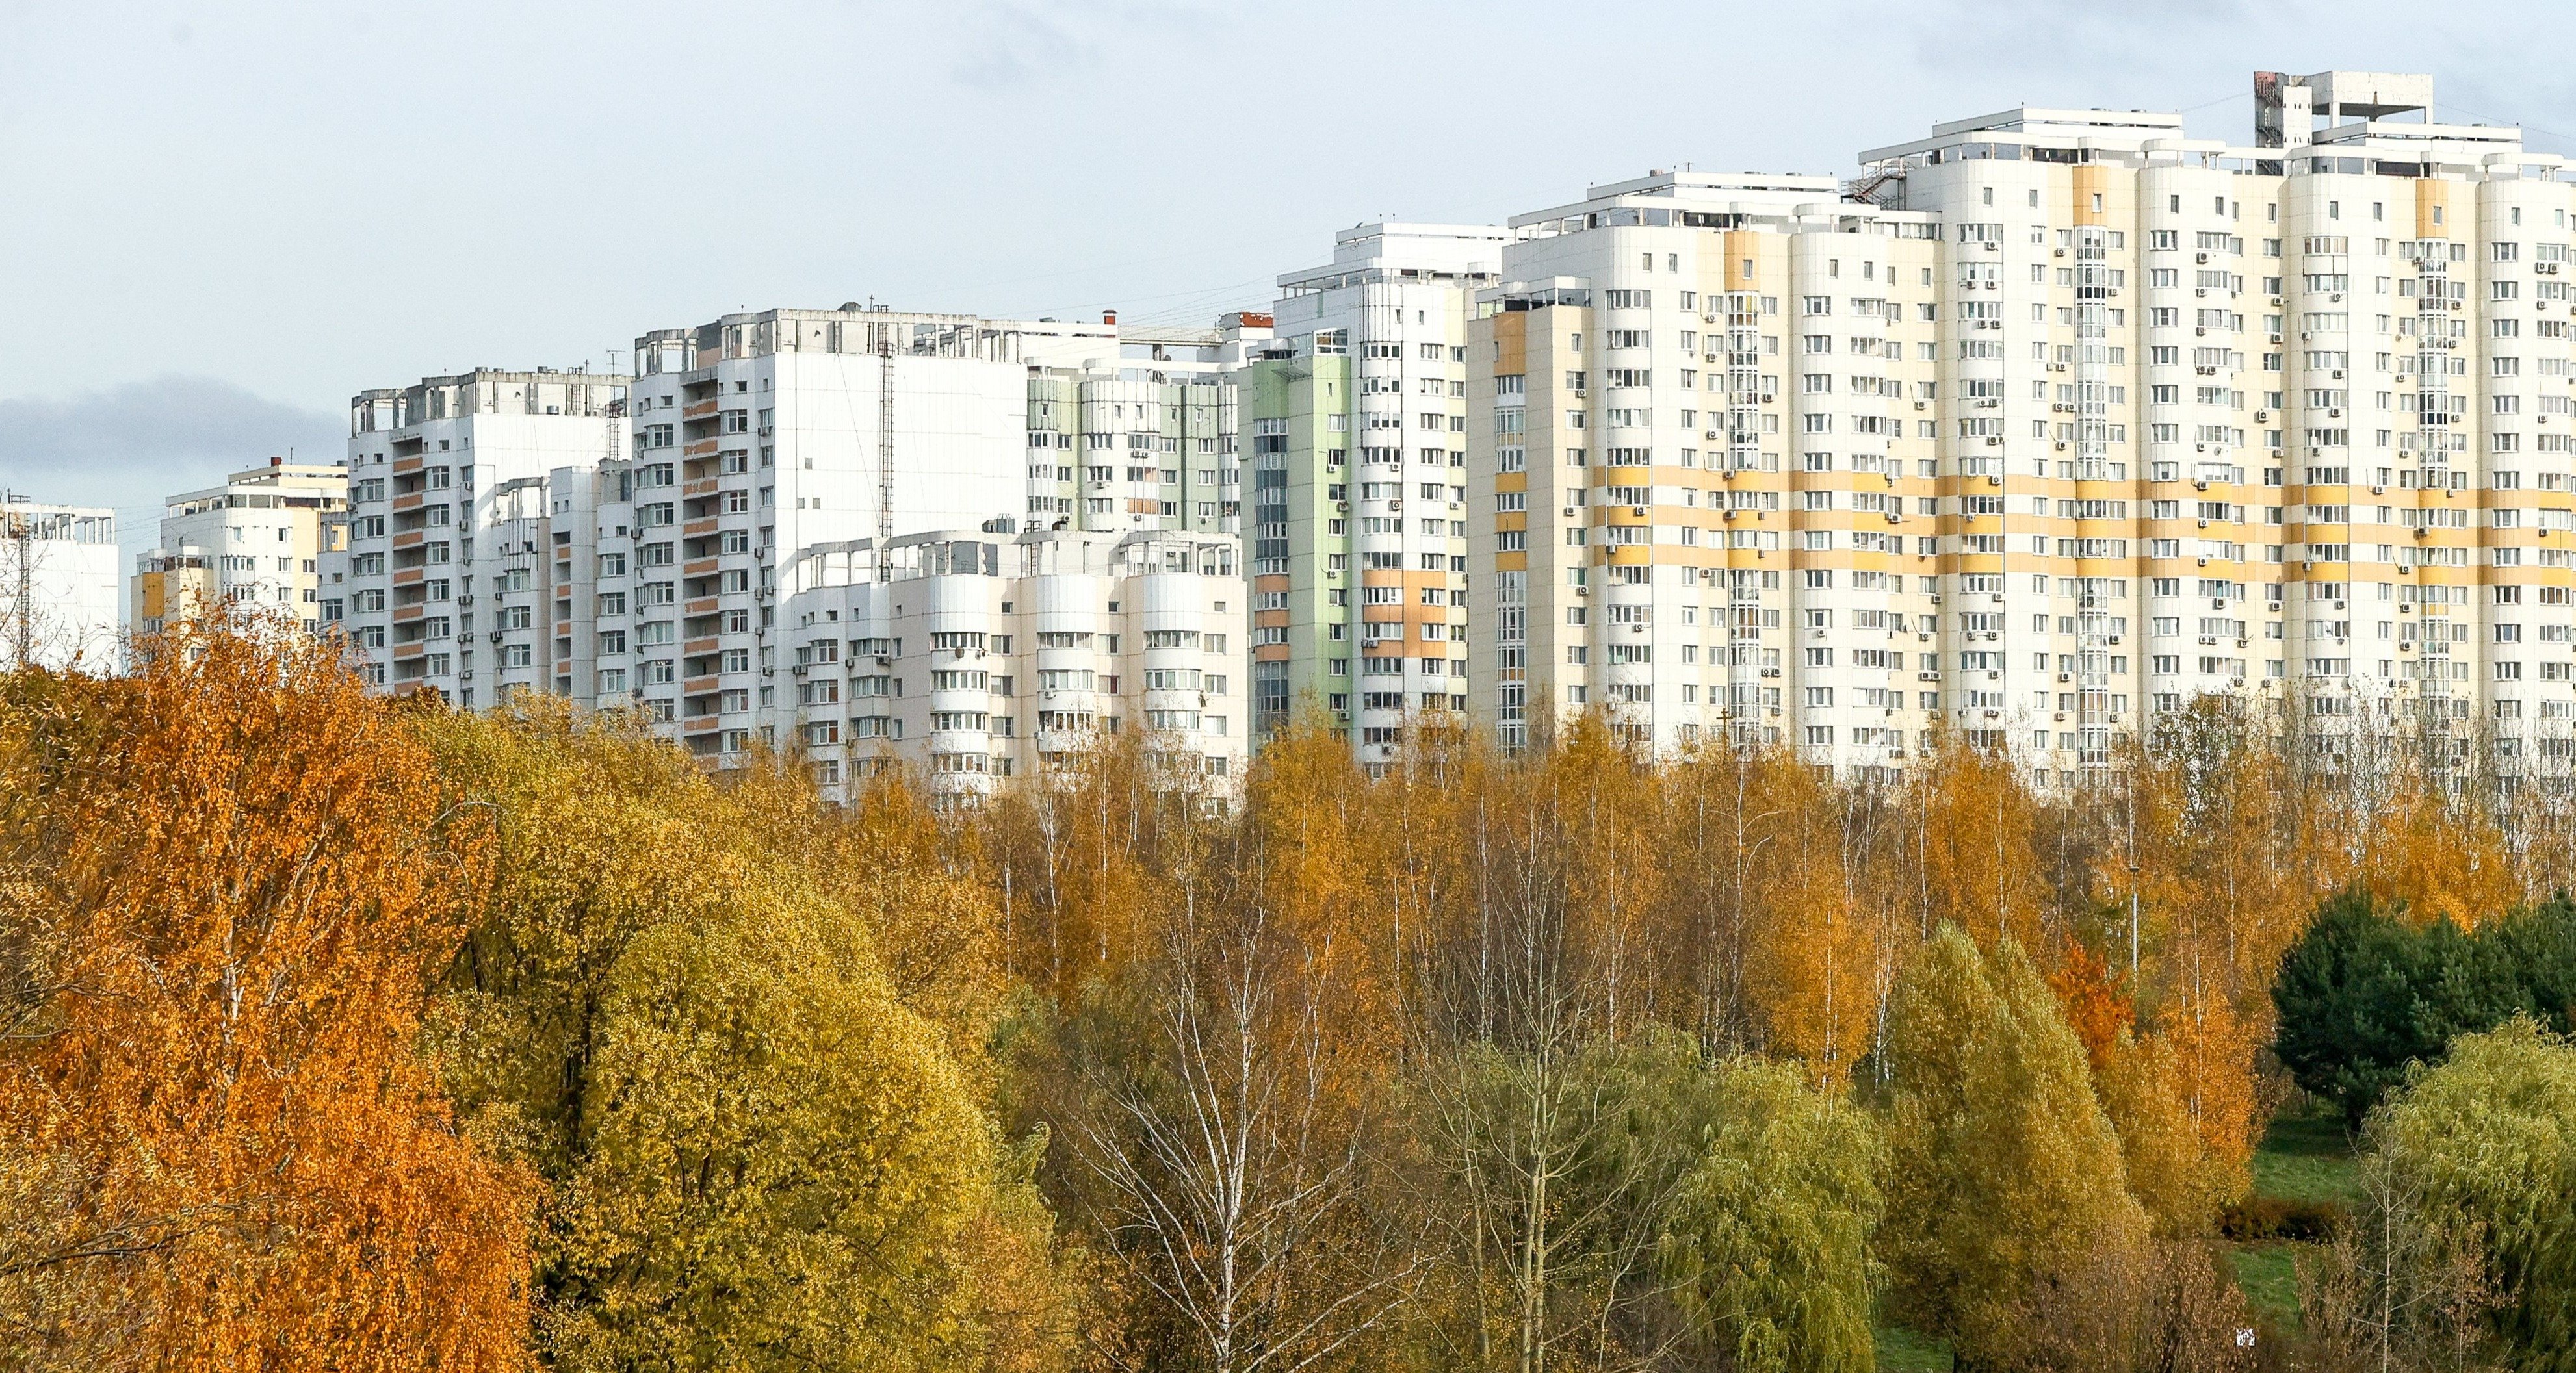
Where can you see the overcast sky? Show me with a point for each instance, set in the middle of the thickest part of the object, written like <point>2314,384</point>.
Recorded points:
<point>217,222</point>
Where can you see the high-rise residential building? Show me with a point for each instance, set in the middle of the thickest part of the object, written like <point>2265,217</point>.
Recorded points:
<point>255,543</point>
<point>446,580</point>
<point>861,427</point>
<point>1143,438</point>
<point>1356,418</point>
<point>2052,420</point>
<point>759,435</point>
<point>629,541</point>
<point>58,586</point>
<point>1665,529</point>
<point>980,655</point>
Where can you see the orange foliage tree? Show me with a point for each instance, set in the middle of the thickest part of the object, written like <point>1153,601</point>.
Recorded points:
<point>228,880</point>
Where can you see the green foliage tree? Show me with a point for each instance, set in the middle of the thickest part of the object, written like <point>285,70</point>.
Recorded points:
<point>1766,1244</point>
<point>2486,1143</point>
<point>2005,1180</point>
<point>1556,1172</point>
<point>2363,994</point>
<point>2538,942</point>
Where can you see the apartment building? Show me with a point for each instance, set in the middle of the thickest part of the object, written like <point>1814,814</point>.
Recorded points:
<point>2051,420</point>
<point>1143,438</point>
<point>255,543</point>
<point>1357,419</point>
<point>627,536</point>
<point>977,656</point>
<point>446,580</point>
<point>1666,528</point>
<point>169,587</point>
<point>760,435</point>
<point>58,586</point>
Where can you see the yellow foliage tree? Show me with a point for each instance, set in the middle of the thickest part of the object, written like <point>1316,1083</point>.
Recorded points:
<point>761,1150</point>
<point>2005,1177</point>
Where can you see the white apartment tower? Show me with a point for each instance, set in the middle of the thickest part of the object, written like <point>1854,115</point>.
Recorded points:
<point>58,587</point>
<point>2054,419</point>
<point>760,435</point>
<point>447,580</point>
<point>977,656</point>
<point>1142,437</point>
<point>627,542</point>
<point>255,544</point>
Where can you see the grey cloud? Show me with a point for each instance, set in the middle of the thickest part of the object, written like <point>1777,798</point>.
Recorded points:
<point>130,446</point>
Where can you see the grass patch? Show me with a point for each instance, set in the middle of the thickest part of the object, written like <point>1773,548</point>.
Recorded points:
<point>2268,1275</point>
<point>2304,1161</point>
<point>2306,1156</point>
<point>1907,1351</point>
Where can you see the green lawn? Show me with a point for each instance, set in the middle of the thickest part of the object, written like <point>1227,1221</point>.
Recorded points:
<point>2268,1275</point>
<point>2306,1156</point>
<point>1904,1351</point>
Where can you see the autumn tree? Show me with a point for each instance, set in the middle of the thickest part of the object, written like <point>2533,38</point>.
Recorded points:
<point>1554,1113</point>
<point>1767,1242</point>
<point>2005,1178</point>
<point>1221,1088</point>
<point>2482,1151</point>
<point>675,1007</point>
<point>228,880</point>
